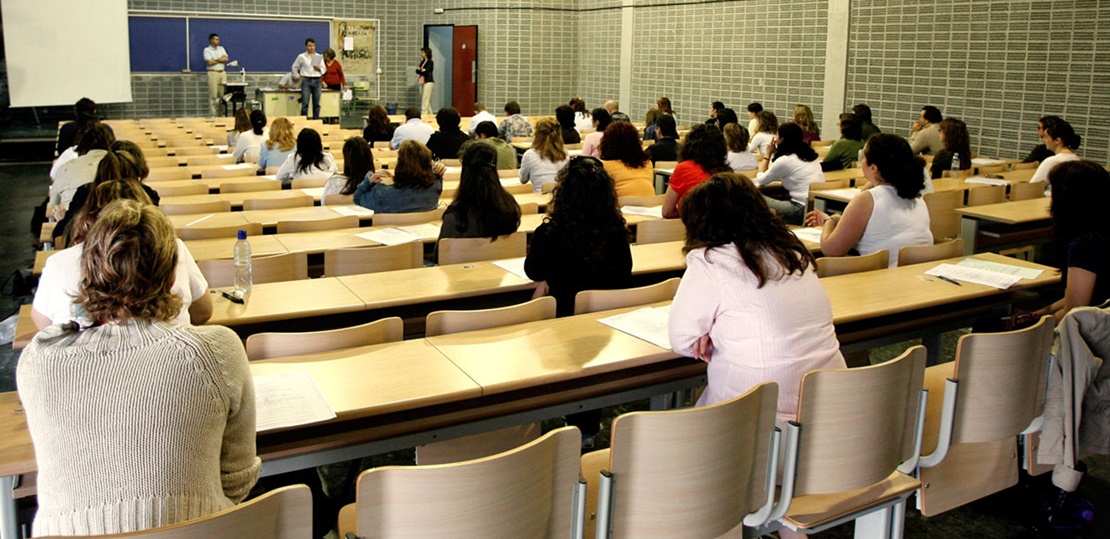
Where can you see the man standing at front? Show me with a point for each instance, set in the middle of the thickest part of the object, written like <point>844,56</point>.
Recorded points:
<point>215,57</point>
<point>310,67</point>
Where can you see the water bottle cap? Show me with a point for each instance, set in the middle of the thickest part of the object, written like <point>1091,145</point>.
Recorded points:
<point>242,234</point>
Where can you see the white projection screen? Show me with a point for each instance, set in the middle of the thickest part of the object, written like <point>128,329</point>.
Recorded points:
<point>59,51</point>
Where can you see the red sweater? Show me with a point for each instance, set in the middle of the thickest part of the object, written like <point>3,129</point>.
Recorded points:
<point>334,74</point>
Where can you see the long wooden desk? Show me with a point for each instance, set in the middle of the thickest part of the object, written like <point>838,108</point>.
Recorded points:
<point>1004,217</point>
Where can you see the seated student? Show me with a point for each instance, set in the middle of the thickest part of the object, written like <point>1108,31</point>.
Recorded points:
<point>279,146</point>
<point>650,118</point>
<point>1080,190</point>
<point>565,116</point>
<point>664,106</point>
<point>542,161</point>
<point>124,161</point>
<point>417,183</point>
<point>665,147</point>
<point>750,303</point>
<point>714,107</point>
<point>867,128</point>
<point>890,215</point>
<point>378,127</point>
<point>926,132</point>
<point>242,125</point>
<point>413,129</point>
<point>768,129</point>
<point>136,423</point>
<point>481,207</point>
<point>290,81</point>
<point>726,116</point>
<point>1039,152</point>
<point>592,142</point>
<point>62,274</point>
<point>845,150</point>
<point>702,155</point>
<point>86,116</point>
<point>626,162</point>
<point>446,142</point>
<point>803,116</point>
<point>310,161</point>
<point>954,136</point>
<point>795,163</point>
<point>486,133</point>
<point>1061,140</point>
<point>583,120</point>
<point>91,148</point>
<point>753,118</point>
<point>514,125</point>
<point>613,107</point>
<point>358,163</point>
<point>249,146</point>
<point>738,157</point>
<point>481,115</point>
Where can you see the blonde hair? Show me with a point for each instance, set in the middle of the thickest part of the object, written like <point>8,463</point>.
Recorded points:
<point>281,135</point>
<point>803,116</point>
<point>101,195</point>
<point>128,265</point>
<point>548,140</point>
<point>736,138</point>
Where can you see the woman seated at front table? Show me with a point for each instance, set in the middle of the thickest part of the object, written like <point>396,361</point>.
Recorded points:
<point>795,163</point>
<point>137,422</point>
<point>416,184</point>
<point>358,163</point>
<point>956,141</point>
<point>545,157</point>
<point>702,154</point>
<point>750,303</point>
<point>890,215</point>
<point>309,161</point>
<point>481,208</point>
<point>845,150</point>
<point>739,158</point>
<point>279,146</point>
<point>626,161</point>
<point>61,276</point>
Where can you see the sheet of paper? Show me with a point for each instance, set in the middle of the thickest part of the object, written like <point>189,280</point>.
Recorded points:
<point>423,231</point>
<point>191,223</point>
<point>847,193</point>
<point>574,153</point>
<point>646,211</point>
<point>453,170</point>
<point>347,95</point>
<point>349,43</point>
<point>974,275</point>
<point>514,266</point>
<point>649,324</point>
<point>357,211</point>
<point>315,192</point>
<point>1008,269</point>
<point>664,171</point>
<point>812,234</point>
<point>221,149</point>
<point>288,399</point>
<point>984,161</point>
<point>240,166</point>
<point>987,181</point>
<point>510,182</point>
<point>389,236</point>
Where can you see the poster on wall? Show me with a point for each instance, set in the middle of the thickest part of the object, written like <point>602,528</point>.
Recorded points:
<point>353,41</point>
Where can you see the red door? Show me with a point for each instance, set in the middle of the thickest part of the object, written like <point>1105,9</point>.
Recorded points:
<point>464,87</point>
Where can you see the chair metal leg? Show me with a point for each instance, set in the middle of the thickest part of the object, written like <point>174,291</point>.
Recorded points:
<point>604,506</point>
<point>578,511</point>
<point>9,517</point>
<point>875,525</point>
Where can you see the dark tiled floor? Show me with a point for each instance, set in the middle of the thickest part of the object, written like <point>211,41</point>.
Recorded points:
<point>22,187</point>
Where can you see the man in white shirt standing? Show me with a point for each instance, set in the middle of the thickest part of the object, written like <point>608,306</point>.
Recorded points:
<point>480,115</point>
<point>215,57</point>
<point>412,129</point>
<point>309,66</point>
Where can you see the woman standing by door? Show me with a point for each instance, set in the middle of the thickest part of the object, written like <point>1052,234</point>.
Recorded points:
<point>426,80</point>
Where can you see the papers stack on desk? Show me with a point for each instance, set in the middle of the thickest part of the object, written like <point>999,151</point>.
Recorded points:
<point>648,324</point>
<point>967,274</point>
<point>389,236</point>
<point>987,181</point>
<point>357,211</point>
<point>288,399</point>
<point>811,234</point>
<point>426,231</point>
<point>514,266</point>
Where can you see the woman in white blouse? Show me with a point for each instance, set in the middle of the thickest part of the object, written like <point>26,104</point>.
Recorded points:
<point>1059,137</point>
<point>767,127</point>
<point>795,163</point>
<point>310,161</point>
<point>750,303</point>
<point>249,145</point>
<point>547,155</point>
<point>890,214</point>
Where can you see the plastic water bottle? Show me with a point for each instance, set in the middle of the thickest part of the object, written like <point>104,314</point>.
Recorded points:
<point>242,256</point>
<point>955,164</point>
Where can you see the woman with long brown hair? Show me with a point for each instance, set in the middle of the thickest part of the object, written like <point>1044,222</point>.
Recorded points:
<point>626,161</point>
<point>358,163</point>
<point>378,127</point>
<point>481,207</point>
<point>416,186</point>
<point>545,157</point>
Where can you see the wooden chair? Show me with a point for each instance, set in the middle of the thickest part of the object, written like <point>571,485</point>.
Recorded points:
<point>944,222</point>
<point>462,250</point>
<point>990,169</point>
<point>589,301</point>
<point>215,206</point>
<point>334,223</point>
<point>1024,166</point>
<point>451,162</point>
<point>199,188</point>
<point>196,150</point>
<point>529,492</point>
<point>508,173</point>
<point>917,254</point>
<point>857,437</point>
<point>163,162</point>
<point>993,393</point>
<point>304,201</point>
<point>264,269</point>
<point>270,171</point>
<point>660,230</point>
<point>216,173</point>
<point>695,472</point>
<point>268,345</point>
<point>384,144</point>
<point>209,159</point>
<point>521,189</point>
<point>828,266</point>
<point>548,187</point>
<point>666,165</point>
<point>285,513</point>
<point>250,187</point>
<point>336,199</point>
<point>309,183</point>
<point>414,218</point>
<point>990,194</point>
<point>339,262</point>
<point>165,174</point>
<point>530,208</point>
<point>207,233</point>
<point>962,175</point>
<point>646,202</point>
<point>1026,191</point>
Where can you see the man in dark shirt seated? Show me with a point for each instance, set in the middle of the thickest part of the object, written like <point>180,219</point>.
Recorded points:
<point>445,143</point>
<point>666,147</point>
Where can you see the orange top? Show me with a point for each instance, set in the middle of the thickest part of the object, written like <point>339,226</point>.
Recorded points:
<point>631,182</point>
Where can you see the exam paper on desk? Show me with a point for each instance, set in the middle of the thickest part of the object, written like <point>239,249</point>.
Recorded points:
<point>1008,269</point>
<point>288,399</point>
<point>389,236</point>
<point>994,279</point>
<point>648,324</point>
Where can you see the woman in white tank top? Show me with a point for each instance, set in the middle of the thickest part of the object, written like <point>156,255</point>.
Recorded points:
<point>889,214</point>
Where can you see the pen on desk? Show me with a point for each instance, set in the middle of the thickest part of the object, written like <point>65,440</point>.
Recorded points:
<point>230,297</point>
<point>947,280</point>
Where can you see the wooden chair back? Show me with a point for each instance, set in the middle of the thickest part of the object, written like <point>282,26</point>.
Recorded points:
<point>268,345</point>
<point>197,150</point>
<point>962,174</point>
<point>339,262</point>
<point>666,165</point>
<point>648,202</point>
<point>990,194</point>
<point>250,187</point>
<point>285,513</point>
<point>413,218</point>
<point>462,250</point>
<point>828,266</point>
<point>589,301</point>
<point>523,493</point>
<point>917,254</point>
<point>309,183</point>
<point>1026,191</point>
<point>530,208</point>
<point>660,230</point>
<point>161,162</point>
<point>164,174</point>
<point>548,187</point>
<point>451,162</point>
<point>186,208</point>
<point>508,173</point>
<point>521,189</point>
<point>221,172</point>
<point>336,199</point>
<point>214,232</point>
<point>264,269</point>
<point>1025,166</point>
<point>447,322</point>
<point>944,222</point>
<point>304,201</point>
<point>334,223</point>
<point>270,171</point>
<point>199,188</point>
<point>990,169</point>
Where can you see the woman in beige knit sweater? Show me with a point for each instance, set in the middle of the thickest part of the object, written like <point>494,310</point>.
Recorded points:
<point>136,423</point>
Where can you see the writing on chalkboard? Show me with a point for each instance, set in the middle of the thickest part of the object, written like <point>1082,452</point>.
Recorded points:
<point>359,56</point>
